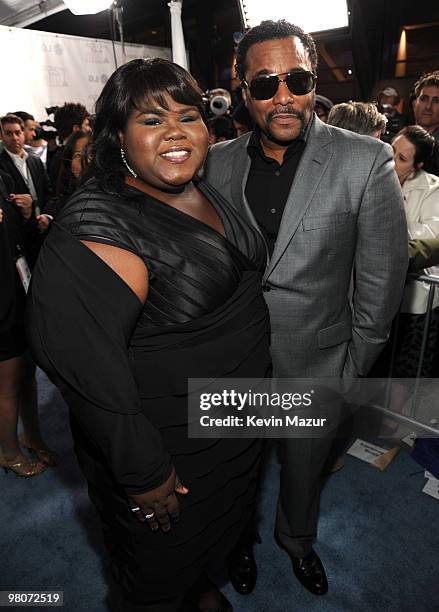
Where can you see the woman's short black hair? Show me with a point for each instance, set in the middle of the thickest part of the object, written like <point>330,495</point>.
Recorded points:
<point>269,30</point>
<point>133,86</point>
<point>423,142</point>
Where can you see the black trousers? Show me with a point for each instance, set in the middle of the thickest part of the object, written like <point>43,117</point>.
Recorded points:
<point>299,497</point>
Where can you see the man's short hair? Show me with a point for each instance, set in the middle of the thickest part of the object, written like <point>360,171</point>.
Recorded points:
<point>359,117</point>
<point>222,127</point>
<point>430,79</point>
<point>269,30</point>
<point>69,115</point>
<point>23,115</point>
<point>10,118</point>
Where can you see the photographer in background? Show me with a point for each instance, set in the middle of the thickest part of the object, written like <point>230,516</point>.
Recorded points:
<point>388,100</point>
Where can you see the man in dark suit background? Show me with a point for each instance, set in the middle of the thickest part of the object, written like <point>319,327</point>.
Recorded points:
<point>27,171</point>
<point>28,176</point>
<point>329,206</point>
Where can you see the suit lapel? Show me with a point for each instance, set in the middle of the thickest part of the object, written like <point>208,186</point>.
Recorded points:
<point>315,159</point>
<point>11,169</point>
<point>32,166</point>
<point>241,168</point>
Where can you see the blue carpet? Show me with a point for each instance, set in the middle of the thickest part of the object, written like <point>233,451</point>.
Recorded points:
<point>378,536</point>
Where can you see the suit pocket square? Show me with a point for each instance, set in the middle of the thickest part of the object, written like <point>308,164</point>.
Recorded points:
<point>325,221</point>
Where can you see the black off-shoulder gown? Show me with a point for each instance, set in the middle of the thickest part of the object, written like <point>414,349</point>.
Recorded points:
<point>123,367</point>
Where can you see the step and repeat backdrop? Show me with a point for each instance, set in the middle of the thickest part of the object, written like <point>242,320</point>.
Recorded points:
<point>43,69</point>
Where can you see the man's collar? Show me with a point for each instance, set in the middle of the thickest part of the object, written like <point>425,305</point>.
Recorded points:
<point>16,155</point>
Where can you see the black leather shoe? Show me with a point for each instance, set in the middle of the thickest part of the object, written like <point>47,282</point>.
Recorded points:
<point>310,573</point>
<point>242,570</point>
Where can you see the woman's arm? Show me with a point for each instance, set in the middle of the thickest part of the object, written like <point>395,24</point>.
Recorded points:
<point>84,302</point>
<point>428,224</point>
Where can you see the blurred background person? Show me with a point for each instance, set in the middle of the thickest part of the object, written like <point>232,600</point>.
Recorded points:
<point>359,117</point>
<point>322,106</point>
<point>17,371</point>
<point>242,121</point>
<point>413,146</point>
<point>69,118</point>
<point>388,103</point>
<point>221,129</point>
<point>73,161</point>
<point>424,99</point>
<point>425,103</point>
<point>34,143</point>
<point>28,176</point>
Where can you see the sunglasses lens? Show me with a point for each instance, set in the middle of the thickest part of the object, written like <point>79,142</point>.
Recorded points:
<point>300,83</point>
<point>264,87</point>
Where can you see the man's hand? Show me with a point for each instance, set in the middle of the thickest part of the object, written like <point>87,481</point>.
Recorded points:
<point>43,222</point>
<point>24,202</point>
<point>158,506</point>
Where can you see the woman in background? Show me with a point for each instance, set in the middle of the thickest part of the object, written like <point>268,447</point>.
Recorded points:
<point>72,165</point>
<point>17,371</point>
<point>413,146</point>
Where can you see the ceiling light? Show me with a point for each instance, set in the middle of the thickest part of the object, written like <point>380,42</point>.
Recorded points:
<point>87,7</point>
<point>311,17</point>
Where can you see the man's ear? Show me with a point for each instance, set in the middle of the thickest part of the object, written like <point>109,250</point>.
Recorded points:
<point>244,92</point>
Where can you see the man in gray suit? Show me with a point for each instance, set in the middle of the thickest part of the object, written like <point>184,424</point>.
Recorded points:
<point>329,205</point>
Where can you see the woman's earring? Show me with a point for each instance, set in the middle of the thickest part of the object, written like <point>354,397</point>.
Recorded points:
<point>128,167</point>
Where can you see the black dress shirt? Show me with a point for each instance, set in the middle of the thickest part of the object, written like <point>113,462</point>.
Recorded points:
<point>269,184</point>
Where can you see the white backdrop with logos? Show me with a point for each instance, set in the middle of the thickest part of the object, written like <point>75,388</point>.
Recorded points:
<point>40,69</point>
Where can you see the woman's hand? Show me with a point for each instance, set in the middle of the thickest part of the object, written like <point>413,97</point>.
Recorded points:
<point>24,203</point>
<point>158,506</point>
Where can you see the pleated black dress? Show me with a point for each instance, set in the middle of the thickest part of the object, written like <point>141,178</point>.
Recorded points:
<point>123,368</point>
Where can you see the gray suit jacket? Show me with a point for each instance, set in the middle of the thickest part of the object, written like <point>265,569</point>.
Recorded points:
<point>343,221</point>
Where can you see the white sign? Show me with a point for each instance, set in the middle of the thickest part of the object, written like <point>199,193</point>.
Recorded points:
<point>366,451</point>
<point>432,487</point>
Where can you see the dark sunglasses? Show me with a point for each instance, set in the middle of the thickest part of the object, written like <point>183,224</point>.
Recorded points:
<point>264,87</point>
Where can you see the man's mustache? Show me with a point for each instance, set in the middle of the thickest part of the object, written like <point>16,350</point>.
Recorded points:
<point>286,110</point>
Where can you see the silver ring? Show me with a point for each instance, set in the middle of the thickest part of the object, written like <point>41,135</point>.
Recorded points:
<point>149,516</point>
<point>136,509</point>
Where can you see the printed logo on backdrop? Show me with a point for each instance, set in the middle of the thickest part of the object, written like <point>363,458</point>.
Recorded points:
<point>95,52</point>
<point>56,76</point>
<point>98,78</point>
<point>52,47</point>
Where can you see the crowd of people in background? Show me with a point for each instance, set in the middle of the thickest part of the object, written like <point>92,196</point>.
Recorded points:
<point>40,173</point>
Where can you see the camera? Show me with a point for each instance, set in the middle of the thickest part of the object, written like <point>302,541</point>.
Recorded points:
<point>218,101</point>
<point>47,130</point>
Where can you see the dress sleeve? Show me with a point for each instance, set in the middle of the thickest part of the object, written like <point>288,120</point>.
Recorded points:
<point>80,319</point>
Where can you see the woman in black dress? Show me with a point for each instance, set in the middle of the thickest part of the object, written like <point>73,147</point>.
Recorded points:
<point>148,278</point>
